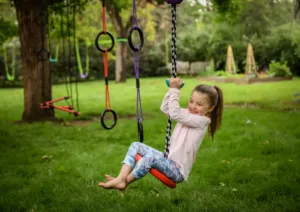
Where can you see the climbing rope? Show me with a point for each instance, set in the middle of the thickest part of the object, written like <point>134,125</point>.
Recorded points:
<point>105,64</point>
<point>42,57</point>
<point>55,59</point>
<point>174,69</point>
<point>10,77</point>
<point>69,66</point>
<point>83,74</point>
<point>136,50</point>
<point>74,44</point>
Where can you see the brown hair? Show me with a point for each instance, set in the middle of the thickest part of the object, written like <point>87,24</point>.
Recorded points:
<point>215,95</point>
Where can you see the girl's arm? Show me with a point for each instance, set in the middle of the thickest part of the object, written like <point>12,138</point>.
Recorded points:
<point>183,116</point>
<point>165,104</point>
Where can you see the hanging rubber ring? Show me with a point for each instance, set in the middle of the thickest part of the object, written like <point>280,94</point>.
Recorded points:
<point>173,2</point>
<point>140,130</point>
<point>102,119</point>
<point>43,54</point>
<point>136,49</point>
<point>112,41</point>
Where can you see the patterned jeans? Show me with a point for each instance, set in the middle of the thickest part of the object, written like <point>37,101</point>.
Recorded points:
<point>151,158</point>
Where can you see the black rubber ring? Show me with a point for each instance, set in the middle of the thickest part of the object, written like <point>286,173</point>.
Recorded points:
<point>112,42</point>
<point>136,49</point>
<point>41,52</point>
<point>102,119</point>
<point>140,130</point>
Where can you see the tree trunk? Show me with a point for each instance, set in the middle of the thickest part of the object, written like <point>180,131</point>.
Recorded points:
<point>121,55</point>
<point>121,51</point>
<point>36,74</point>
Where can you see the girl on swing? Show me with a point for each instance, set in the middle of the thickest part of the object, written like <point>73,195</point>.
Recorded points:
<point>204,113</point>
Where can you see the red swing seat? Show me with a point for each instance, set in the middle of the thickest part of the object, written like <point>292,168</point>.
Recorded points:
<point>160,176</point>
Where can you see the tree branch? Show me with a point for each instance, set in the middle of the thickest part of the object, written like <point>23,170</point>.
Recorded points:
<point>159,4</point>
<point>116,18</point>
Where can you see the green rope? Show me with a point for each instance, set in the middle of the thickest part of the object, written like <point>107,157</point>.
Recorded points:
<point>13,64</point>
<point>55,60</point>
<point>87,60</point>
<point>119,40</point>
<point>122,40</point>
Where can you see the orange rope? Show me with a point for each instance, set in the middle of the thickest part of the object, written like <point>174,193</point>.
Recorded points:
<point>105,64</point>
<point>107,99</point>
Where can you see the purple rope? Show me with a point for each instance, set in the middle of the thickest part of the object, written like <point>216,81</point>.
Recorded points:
<point>138,98</point>
<point>134,15</point>
<point>136,65</point>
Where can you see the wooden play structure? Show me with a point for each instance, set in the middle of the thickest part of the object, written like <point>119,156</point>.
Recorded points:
<point>230,64</point>
<point>250,62</point>
<point>251,75</point>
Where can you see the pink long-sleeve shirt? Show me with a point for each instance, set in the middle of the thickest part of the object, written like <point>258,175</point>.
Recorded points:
<point>188,133</point>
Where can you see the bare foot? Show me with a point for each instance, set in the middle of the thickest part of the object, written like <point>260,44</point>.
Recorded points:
<point>116,183</point>
<point>108,178</point>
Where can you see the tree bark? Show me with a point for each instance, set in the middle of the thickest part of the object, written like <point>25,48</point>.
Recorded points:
<point>36,74</point>
<point>121,55</point>
<point>121,51</point>
<point>122,29</point>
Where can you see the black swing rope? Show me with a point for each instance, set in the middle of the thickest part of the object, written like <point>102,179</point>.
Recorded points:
<point>139,114</point>
<point>64,51</point>
<point>66,65</point>
<point>74,46</point>
<point>44,54</point>
<point>69,73</point>
<point>49,47</point>
<point>174,74</point>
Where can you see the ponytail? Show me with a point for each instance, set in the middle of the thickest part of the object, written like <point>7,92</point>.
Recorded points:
<point>215,95</point>
<point>216,114</point>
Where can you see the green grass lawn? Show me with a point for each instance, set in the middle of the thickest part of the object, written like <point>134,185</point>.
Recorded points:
<point>252,165</point>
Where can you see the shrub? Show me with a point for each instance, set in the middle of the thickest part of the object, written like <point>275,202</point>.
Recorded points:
<point>222,73</point>
<point>278,69</point>
<point>207,73</point>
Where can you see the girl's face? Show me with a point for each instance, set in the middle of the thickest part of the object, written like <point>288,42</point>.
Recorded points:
<point>199,104</point>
